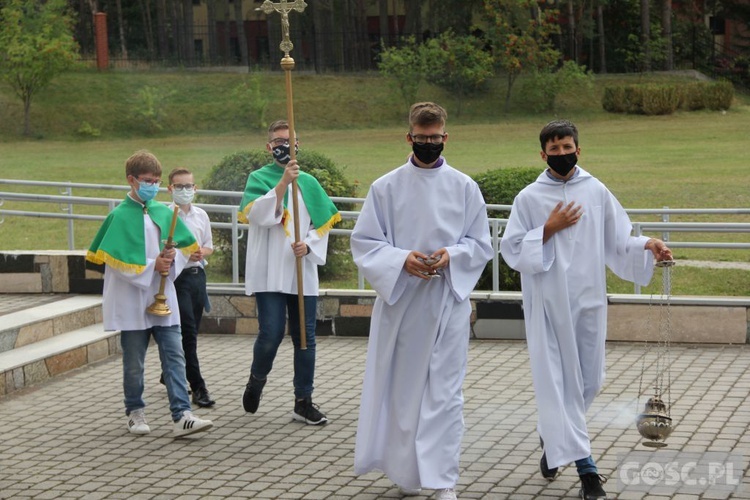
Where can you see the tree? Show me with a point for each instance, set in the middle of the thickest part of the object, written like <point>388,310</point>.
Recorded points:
<point>520,33</point>
<point>405,66</point>
<point>646,35</point>
<point>36,44</point>
<point>239,19</point>
<point>458,64</point>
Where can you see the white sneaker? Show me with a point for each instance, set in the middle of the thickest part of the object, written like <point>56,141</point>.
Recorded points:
<point>190,424</point>
<point>446,494</point>
<point>137,422</point>
<point>409,492</point>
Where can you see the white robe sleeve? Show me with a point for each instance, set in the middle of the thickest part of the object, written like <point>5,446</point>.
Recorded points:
<point>625,254</point>
<point>318,246</point>
<point>522,246</point>
<point>470,255</point>
<point>263,212</point>
<point>381,263</point>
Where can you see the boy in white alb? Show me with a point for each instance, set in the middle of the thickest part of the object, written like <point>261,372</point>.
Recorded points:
<point>270,270</point>
<point>422,241</point>
<point>130,245</point>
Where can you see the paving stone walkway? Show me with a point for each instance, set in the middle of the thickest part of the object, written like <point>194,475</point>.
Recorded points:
<point>67,438</point>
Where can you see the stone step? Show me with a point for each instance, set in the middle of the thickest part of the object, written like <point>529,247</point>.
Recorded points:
<point>41,322</point>
<point>36,362</point>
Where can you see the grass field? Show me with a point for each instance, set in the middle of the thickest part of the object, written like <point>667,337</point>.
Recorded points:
<point>686,160</point>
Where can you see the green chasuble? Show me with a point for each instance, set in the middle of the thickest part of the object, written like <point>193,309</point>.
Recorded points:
<point>120,241</point>
<point>323,212</point>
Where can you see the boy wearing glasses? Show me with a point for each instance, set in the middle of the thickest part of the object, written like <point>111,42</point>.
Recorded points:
<point>422,241</point>
<point>130,245</point>
<point>270,268</point>
<point>191,283</point>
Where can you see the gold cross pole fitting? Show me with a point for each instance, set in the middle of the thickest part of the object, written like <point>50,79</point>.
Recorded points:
<point>287,64</point>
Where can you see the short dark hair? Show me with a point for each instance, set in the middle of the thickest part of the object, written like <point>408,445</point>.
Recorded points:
<point>178,171</point>
<point>426,113</point>
<point>142,162</point>
<point>277,125</point>
<point>557,129</point>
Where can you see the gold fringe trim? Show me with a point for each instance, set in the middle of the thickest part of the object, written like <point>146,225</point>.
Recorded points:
<point>186,251</point>
<point>102,257</point>
<point>242,215</point>
<point>285,219</point>
<point>335,219</point>
<point>329,225</point>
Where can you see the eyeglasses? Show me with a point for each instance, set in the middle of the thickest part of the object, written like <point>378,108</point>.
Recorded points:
<point>280,141</point>
<point>434,139</point>
<point>183,186</point>
<point>150,182</point>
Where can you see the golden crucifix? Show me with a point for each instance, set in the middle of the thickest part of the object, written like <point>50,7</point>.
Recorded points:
<point>287,64</point>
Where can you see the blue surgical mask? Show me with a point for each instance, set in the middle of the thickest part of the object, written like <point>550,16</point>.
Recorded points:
<point>147,192</point>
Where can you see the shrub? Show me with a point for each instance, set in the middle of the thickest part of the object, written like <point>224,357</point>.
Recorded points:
<point>147,108</point>
<point>659,99</point>
<point>500,187</point>
<point>652,99</point>
<point>720,96</point>
<point>251,103</point>
<point>539,92</point>
<point>230,174</point>
<point>87,130</point>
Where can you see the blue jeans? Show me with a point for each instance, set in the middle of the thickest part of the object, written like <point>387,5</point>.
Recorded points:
<point>272,311</point>
<point>191,297</point>
<point>586,466</point>
<point>134,344</point>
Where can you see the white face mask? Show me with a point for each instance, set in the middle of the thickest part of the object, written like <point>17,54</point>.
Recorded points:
<point>183,196</point>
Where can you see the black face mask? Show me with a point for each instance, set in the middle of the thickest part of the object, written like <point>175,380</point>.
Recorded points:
<point>562,164</point>
<point>281,153</point>
<point>428,152</point>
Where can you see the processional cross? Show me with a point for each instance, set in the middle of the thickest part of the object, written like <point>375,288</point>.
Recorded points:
<point>284,7</point>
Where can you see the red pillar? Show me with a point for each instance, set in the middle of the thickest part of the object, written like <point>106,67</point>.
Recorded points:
<point>102,47</point>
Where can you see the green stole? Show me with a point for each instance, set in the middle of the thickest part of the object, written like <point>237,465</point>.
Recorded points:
<point>120,242</point>
<point>323,213</point>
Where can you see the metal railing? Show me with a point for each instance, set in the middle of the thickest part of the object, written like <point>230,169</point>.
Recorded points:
<point>67,201</point>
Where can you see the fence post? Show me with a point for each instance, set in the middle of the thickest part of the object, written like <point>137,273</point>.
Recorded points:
<point>71,235</point>
<point>495,230</point>
<point>102,44</point>
<point>235,249</point>
<point>638,232</point>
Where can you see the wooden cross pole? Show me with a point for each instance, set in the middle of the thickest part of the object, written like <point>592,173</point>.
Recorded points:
<point>287,64</point>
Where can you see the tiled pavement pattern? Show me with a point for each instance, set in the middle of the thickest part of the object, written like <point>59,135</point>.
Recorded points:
<point>67,438</point>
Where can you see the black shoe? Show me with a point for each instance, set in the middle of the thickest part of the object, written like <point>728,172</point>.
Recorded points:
<point>253,391</point>
<point>308,412</point>
<point>591,487</point>
<point>547,473</point>
<point>202,398</point>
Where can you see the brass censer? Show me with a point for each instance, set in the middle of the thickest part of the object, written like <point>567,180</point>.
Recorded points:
<point>160,307</point>
<point>655,422</point>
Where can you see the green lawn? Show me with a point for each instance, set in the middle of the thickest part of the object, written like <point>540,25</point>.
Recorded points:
<point>690,159</point>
